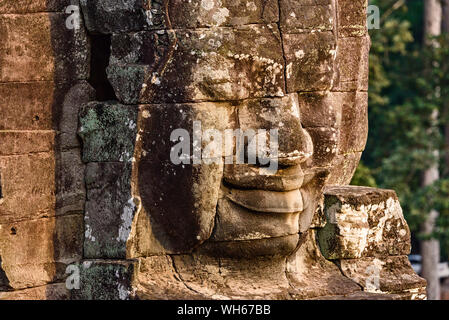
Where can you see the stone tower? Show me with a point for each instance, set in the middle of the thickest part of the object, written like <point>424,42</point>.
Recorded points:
<point>95,96</point>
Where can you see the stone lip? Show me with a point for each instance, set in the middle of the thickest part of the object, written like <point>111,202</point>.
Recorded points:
<point>268,201</point>
<point>244,176</point>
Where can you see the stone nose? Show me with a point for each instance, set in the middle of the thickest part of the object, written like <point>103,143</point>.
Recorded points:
<point>288,142</point>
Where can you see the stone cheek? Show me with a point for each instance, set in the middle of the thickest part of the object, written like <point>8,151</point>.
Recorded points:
<point>179,204</point>
<point>344,167</point>
<point>321,109</point>
<point>325,144</point>
<point>354,126</point>
<point>338,125</point>
<point>178,200</point>
<point>363,222</point>
<point>352,63</point>
<point>183,66</point>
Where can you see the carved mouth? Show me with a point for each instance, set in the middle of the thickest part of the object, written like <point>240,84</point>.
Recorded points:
<point>257,178</point>
<point>268,201</point>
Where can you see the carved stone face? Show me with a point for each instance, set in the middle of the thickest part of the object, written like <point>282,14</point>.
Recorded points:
<point>290,65</point>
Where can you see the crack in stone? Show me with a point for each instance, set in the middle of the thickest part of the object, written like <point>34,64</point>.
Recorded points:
<point>282,46</point>
<point>291,296</point>
<point>179,277</point>
<point>4,281</point>
<point>341,271</point>
<point>160,71</point>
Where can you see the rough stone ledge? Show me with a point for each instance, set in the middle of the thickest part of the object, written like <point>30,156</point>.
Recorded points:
<point>218,101</point>
<point>391,275</point>
<point>34,6</point>
<point>105,280</point>
<point>362,222</point>
<point>53,291</point>
<point>363,296</point>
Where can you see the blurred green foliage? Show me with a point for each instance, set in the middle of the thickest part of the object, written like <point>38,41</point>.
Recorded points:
<point>408,83</point>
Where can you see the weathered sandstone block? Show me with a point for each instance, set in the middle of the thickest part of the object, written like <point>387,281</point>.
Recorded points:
<point>109,210</point>
<point>108,131</point>
<point>354,123</point>
<point>39,47</point>
<point>25,142</point>
<point>213,13</point>
<point>352,18</point>
<point>28,187</point>
<point>310,61</point>
<point>26,106</point>
<point>385,275</point>
<point>44,105</point>
<point>300,15</point>
<point>312,275</point>
<point>46,245</point>
<point>105,280</point>
<point>157,279</point>
<point>30,6</point>
<point>345,166</point>
<point>114,16</point>
<point>363,222</point>
<point>197,65</point>
<point>106,16</point>
<point>357,59</point>
<point>54,291</point>
<point>70,184</point>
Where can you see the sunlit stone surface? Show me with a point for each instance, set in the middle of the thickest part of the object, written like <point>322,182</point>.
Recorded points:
<point>87,177</point>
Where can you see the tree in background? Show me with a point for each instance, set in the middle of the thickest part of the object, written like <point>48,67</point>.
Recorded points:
<point>430,246</point>
<point>408,84</point>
